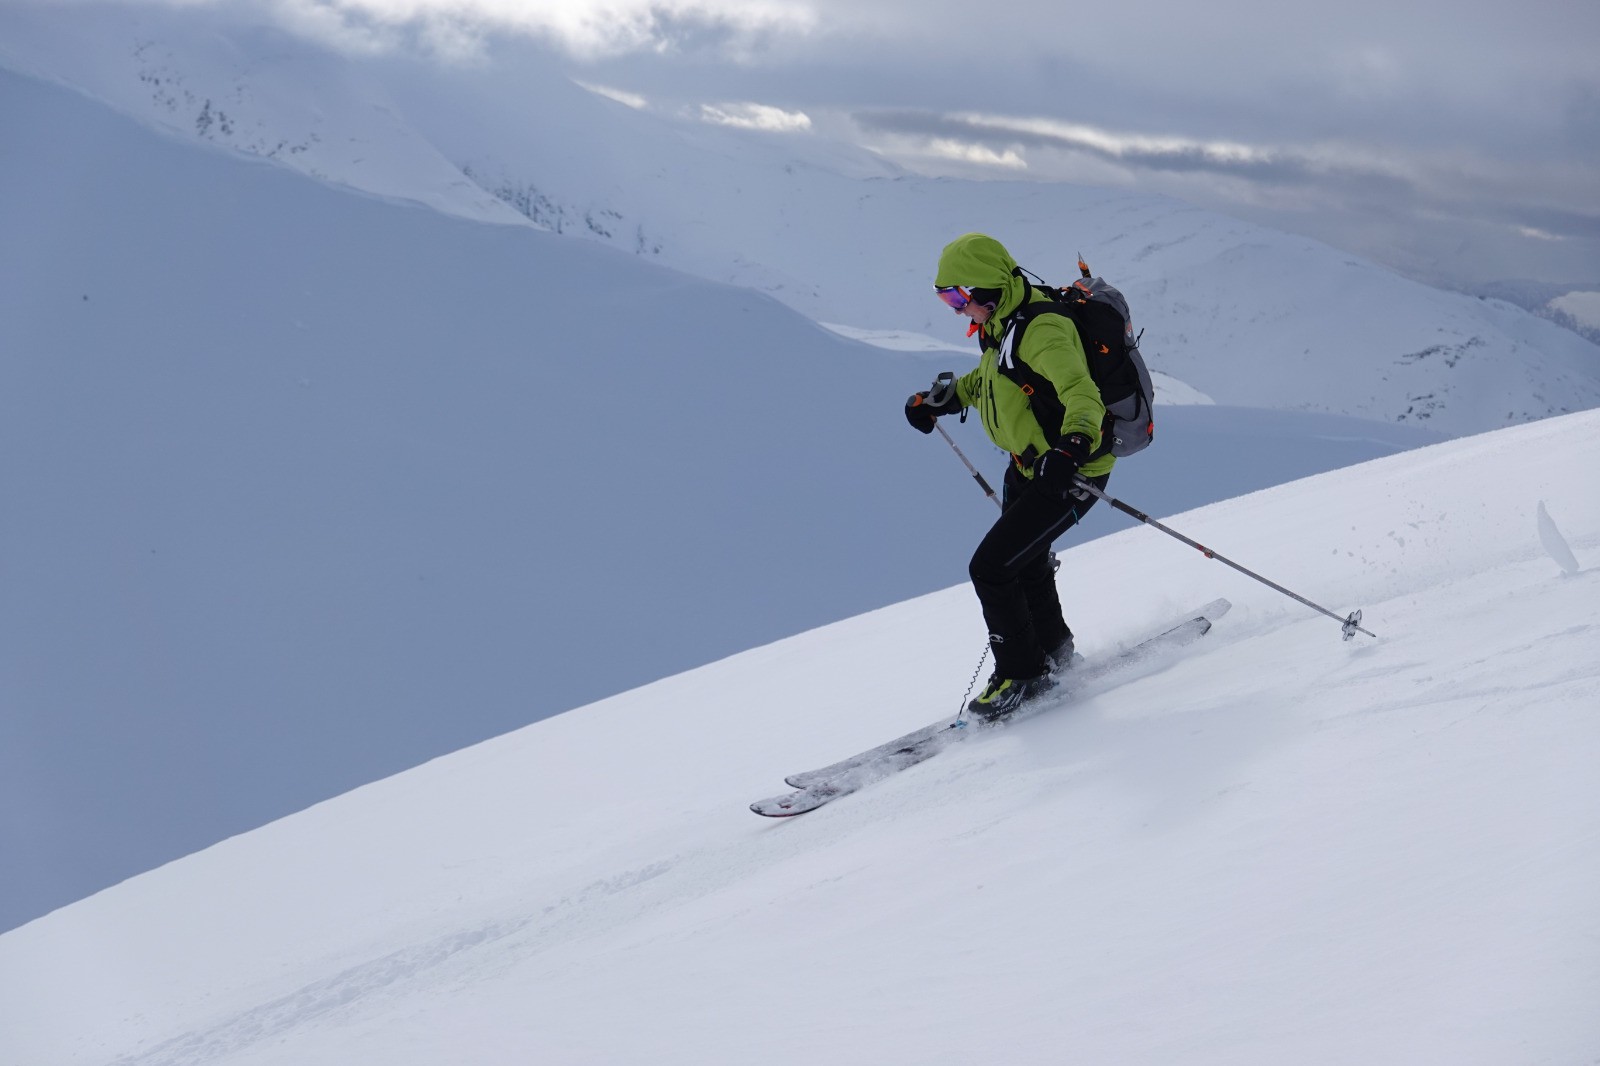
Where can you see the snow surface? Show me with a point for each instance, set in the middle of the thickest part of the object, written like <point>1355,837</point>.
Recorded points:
<point>1282,848</point>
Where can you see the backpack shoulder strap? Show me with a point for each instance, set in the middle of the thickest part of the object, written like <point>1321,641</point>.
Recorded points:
<point>1110,366</point>
<point>1043,400</point>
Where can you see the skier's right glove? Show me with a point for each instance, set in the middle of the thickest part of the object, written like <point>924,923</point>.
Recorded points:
<point>1056,471</point>
<point>921,410</point>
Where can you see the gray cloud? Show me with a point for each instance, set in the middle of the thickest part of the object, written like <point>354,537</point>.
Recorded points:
<point>1454,218</point>
<point>1278,166</point>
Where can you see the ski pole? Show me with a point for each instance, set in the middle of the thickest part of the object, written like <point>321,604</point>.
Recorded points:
<point>1350,625</point>
<point>943,388</point>
<point>989,492</point>
<point>1055,561</point>
<point>982,484</point>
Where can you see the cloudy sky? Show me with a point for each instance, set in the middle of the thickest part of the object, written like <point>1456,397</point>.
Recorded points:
<point>1458,141</point>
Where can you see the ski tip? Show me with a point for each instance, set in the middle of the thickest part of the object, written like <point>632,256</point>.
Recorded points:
<point>791,804</point>
<point>1215,609</point>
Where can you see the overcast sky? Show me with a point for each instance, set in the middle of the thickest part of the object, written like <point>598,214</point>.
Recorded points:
<point>1458,141</point>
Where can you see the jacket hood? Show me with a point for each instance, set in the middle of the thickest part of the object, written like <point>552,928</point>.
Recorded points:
<point>978,261</point>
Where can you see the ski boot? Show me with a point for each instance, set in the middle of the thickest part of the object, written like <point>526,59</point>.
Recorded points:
<point>1002,696</point>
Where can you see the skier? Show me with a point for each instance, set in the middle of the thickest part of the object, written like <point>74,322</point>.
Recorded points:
<point>1039,403</point>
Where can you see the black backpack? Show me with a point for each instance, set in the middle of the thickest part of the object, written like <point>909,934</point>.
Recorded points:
<point>1100,313</point>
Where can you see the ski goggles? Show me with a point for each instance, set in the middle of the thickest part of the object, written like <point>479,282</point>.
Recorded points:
<point>955,296</point>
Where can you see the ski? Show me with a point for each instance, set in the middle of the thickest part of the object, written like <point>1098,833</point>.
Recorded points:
<point>1078,682</point>
<point>807,778</point>
<point>814,788</point>
<point>859,775</point>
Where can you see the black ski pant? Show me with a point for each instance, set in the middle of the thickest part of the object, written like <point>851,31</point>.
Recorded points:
<point>1013,577</point>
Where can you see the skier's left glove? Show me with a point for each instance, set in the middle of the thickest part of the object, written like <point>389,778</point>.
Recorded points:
<point>1054,471</point>
<point>922,409</point>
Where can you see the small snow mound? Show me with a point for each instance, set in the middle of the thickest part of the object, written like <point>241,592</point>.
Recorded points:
<point>1555,543</point>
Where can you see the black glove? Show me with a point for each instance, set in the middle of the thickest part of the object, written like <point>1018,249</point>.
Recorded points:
<point>921,412</point>
<point>1054,471</point>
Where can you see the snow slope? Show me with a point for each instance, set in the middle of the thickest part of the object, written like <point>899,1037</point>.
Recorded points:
<point>1279,848</point>
<point>1245,315</point>
<point>305,487</point>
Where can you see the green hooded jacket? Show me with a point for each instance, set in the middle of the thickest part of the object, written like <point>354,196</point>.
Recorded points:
<point>1050,345</point>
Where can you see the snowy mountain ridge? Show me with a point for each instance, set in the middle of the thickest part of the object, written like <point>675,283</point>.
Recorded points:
<point>1241,314</point>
